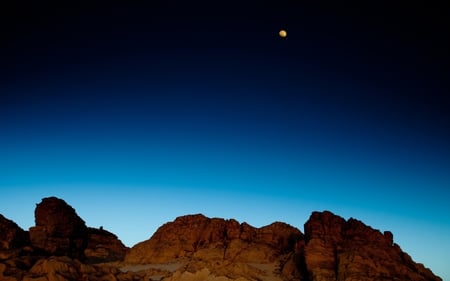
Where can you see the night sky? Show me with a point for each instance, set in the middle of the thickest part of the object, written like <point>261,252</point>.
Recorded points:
<point>138,114</point>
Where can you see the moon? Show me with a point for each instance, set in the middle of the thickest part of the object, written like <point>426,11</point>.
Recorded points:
<point>282,33</point>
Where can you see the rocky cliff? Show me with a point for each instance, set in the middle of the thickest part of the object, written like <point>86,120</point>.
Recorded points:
<point>338,249</point>
<point>224,247</point>
<point>59,230</point>
<point>61,247</point>
<point>11,235</point>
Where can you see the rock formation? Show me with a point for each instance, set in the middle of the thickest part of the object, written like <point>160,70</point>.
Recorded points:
<point>103,246</point>
<point>194,235</point>
<point>196,248</point>
<point>337,249</point>
<point>225,247</point>
<point>59,230</point>
<point>11,235</point>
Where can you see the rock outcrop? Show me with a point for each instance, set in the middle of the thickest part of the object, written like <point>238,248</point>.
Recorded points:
<point>103,246</point>
<point>195,248</point>
<point>225,247</point>
<point>11,235</point>
<point>196,236</point>
<point>59,230</point>
<point>337,249</point>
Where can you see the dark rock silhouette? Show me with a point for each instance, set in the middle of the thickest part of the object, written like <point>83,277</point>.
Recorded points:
<point>11,235</point>
<point>59,230</point>
<point>60,247</point>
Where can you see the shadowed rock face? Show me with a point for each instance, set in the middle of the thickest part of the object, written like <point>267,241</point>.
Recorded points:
<point>11,235</point>
<point>198,248</point>
<point>59,230</point>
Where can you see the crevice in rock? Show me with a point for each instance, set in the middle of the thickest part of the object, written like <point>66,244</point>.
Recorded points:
<point>336,262</point>
<point>300,262</point>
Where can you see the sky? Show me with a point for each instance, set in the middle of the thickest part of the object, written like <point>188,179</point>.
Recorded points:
<point>135,115</point>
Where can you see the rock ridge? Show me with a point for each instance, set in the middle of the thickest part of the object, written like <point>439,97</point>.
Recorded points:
<point>188,236</point>
<point>197,248</point>
<point>339,249</point>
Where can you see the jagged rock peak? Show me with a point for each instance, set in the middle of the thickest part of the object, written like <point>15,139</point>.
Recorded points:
<point>339,249</point>
<point>333,227</point>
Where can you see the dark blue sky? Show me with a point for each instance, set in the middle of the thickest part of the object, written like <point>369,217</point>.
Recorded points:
<point>137,114</point>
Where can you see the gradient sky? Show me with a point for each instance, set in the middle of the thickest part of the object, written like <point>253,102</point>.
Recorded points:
<point>138,114</point>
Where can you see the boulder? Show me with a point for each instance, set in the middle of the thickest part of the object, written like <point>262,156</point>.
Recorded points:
<point>54,269</point>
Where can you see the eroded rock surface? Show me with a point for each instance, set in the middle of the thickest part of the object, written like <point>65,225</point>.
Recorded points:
<point>59,230</point>
<point>196,236</point>
<point>11,235</point>
<point>198,248</point>
<point>225,247</point>
<point>337,249</point>
<point>103,246</point>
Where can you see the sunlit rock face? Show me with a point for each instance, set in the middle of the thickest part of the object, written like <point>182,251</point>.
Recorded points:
<point>196,235</point>
<point>197,248</point>
<point>225,247</point>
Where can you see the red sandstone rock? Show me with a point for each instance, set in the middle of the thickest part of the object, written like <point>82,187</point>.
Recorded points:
<point>103,246</point>
<point>337,249</point>
<point>198,236</point>
<point>54,269</point>
<point>225,247</point>
<point>59,230</point>
<point>11,235</point>
<point>196,247</point>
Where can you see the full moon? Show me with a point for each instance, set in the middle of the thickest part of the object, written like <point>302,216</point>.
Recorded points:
<point>282,33</point>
